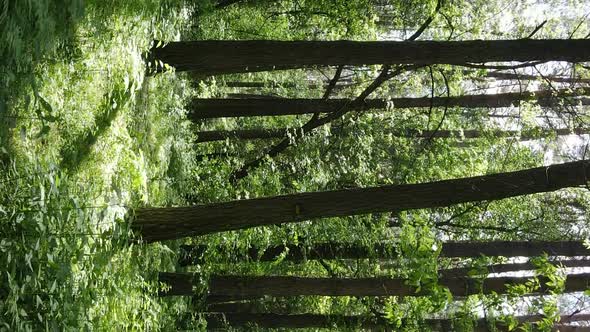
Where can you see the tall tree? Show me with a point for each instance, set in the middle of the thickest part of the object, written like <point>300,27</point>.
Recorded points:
<point>193,254</point>
<point>245,56</point>
<point>509,267</point>
<point>216,108</point>
<point>280,286</point>
<point>269,133</point>
<point>295,321</point>
<point>156,224</point>
<point>517,76</point>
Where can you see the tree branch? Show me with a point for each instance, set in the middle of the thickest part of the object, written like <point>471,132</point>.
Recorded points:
<point>316,121</point>
<point>521,65</point>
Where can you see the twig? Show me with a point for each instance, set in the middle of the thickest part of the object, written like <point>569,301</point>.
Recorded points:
<point>536,30</point>
<point>522,65</point>
<point>316,121</point>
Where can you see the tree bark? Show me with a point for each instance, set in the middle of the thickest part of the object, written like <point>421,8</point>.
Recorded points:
<point>270,133</point>
<point>217,108</point>
<point>524,77</point>
<point>295,286</point>
<point>194,254</point>
<point>293,321</point>
<point>156,224</point>
<point>240,287</point>
<point>284,85</point>
<point>244,56</point>
<point>277,321</point>
<point>513,267</point>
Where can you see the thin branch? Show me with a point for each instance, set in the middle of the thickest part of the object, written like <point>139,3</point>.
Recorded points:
<point>333,82</point>
<point>522,65</point>
<point>536,30</point>
<point>426,23</point>
<point>316,121</point>
<point>579,25</point>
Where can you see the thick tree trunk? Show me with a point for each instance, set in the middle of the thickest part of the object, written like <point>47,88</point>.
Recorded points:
<point>156,224</point>
<point>217,108</point>
<point>243,56</point>
<point>194,254</point>
<point>293,321</point>
<point>277,321</point>
<point>295,286</point>
<point>270,133</point>
<point>240,287</point>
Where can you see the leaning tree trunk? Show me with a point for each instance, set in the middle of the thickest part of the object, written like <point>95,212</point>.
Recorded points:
<point>250,55</point>
<point>277,321</point>
<point>216,108</point>
<point>156,224</point>
<point>239,287</point>
<point>270,133</point>
<point>294,321</point>
<point>194,254</point>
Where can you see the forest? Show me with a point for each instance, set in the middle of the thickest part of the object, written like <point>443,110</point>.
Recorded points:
<point>294,165</point>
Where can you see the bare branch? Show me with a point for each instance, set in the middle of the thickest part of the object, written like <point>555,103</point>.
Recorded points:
<point>536,30</point>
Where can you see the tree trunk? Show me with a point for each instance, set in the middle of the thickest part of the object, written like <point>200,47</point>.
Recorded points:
<point>156,224</point>
<point>293,321</point>
<point>258,133</point>
<point>194,254</point>
<point>513,267</point>
<point>179,283</point>
<point>285,85</point>
<point>300,321</point>
<point>217,108</point>
<point>242,287</point>
<point>524,77</point>
<point>270,133</point>
<point>244,56</point>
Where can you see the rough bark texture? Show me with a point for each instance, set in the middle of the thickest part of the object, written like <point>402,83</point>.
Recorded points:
<point>244,56</point>
<point>194,254</point>
<point>248,287</point>
<point>296,286</point>
<point>156,224</point>
<point>216,108</point>
<point>270,320</point>
<point>270,133</point>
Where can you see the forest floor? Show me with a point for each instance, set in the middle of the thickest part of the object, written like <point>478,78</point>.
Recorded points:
<point>86,136</point>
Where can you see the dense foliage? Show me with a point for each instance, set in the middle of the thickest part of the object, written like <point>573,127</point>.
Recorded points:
<point>89,132</point>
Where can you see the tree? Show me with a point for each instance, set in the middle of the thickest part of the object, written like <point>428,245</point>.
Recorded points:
<point>156,224</point>
<point>216,108</point>
<point>270,133</point>
<point>193,254</point>
<point>516,76</point>
<point>251,55</point>
<point>294,321</point>
<point>280,286</point>
<point>510,267</point>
